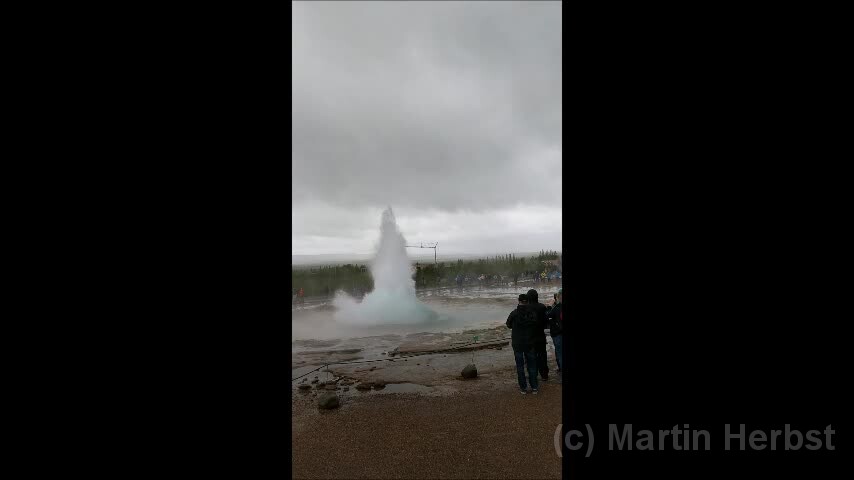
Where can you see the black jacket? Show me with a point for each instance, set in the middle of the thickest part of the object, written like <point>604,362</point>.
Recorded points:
<point>542,323</point>
<point>554,321</point>
<point>522,337</point>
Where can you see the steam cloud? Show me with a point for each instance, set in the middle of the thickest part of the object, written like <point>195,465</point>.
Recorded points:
<point>393,300</point>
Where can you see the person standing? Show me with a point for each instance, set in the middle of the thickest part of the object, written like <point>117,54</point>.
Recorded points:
<point>523,322</point>
<point>555,322</point>
<point>539,334</point>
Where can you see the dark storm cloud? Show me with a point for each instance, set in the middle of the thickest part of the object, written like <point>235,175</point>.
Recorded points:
<point>446,105</point>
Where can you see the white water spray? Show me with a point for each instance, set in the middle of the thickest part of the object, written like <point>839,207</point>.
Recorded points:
<point>392,302</point>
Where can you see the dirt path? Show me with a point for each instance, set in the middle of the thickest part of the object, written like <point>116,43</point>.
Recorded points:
<point>475,433</point>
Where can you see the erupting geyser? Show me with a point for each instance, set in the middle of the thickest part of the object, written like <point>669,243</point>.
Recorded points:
<point>393,299</point>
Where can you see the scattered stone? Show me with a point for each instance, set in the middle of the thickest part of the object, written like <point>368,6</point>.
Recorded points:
<point>328,401</point>
<point>363,386</point>
<point>331,387</point>
<point>331,382</point>
<point>470,371</point>
<point>346,383</point>
<point>346,389</point>
<point>373,368</point>
<point>418,364</point>
<point>304,387</point>
<point>315,380</point>
<point>379,385</point>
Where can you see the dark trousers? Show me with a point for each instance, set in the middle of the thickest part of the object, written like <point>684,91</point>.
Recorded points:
<point>558,341</point>
<point>526,356</point>
<point>542,360</point>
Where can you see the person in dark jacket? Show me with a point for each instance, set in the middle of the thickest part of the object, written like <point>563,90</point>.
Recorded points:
<point>540,334</point>
<point>523,322</point>
<point>555,319</point>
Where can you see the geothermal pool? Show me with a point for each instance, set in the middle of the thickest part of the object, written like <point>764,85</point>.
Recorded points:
<point>458,308</point>
<point>464,313</point>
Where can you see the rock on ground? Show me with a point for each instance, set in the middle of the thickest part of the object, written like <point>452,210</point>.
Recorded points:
<point>470,371</point>
<point>328,401</point>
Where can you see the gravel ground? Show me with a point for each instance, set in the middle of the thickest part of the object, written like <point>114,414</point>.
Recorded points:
<point>474,433</point>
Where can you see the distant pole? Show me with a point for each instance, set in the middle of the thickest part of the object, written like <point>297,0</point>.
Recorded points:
<point>434,247</point>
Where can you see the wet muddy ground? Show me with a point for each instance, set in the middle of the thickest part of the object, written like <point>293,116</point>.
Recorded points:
<point>465,435</point>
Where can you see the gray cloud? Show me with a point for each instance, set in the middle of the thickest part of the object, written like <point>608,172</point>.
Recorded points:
<point>445,105</point>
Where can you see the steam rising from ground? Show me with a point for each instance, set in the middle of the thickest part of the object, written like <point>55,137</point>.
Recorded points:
<point>393,299</point>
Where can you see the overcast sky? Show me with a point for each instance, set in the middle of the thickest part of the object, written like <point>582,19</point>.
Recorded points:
<point>449,112</point>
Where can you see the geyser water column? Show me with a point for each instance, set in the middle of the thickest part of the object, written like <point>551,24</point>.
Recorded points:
<point>393,301</point>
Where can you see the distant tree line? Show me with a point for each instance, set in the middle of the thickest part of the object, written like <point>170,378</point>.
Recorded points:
<point>548,255</point>
<point>501,268</point>
<point>326,280</point>
<point>357,280</point>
